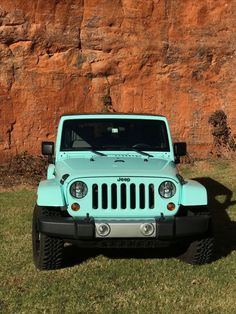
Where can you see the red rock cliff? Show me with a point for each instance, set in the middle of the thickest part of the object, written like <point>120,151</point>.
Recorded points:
<point>170,57</point>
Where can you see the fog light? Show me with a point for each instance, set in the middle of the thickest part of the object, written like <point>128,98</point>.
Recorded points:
<point>170,206</point>
<point>147,229</point>
<point>75,207</point>
<point>103,229</point>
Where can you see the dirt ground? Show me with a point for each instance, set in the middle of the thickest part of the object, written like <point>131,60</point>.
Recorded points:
<point>22,170</point>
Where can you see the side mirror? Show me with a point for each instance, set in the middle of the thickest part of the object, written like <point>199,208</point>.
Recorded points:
<point>180,149</point>
<point>48,148</point>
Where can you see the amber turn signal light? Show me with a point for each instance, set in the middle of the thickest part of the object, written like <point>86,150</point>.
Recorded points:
<point>75,206</point>
<point>170,206</point>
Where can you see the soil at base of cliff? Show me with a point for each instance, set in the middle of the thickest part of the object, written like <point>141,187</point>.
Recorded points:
<point>22,170</point>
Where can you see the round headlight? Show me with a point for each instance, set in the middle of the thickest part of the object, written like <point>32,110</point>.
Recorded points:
<point>78,189</point>
<point>167,189</point>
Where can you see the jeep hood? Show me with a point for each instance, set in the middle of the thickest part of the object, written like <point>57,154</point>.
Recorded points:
<point>103,166</point>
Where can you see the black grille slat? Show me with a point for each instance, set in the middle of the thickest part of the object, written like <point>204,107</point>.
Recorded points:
<point>104,196</point>
<point>123,195</point>
<point>142,196</point>
<point>95,196</point>
<point>113,196</point>
<point>151,195</point>
<point>132,196</point>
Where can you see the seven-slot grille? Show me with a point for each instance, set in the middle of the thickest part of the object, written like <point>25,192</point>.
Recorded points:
<point>123,196</point>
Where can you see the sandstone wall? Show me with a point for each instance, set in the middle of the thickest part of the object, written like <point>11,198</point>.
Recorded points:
<point>170,57</point>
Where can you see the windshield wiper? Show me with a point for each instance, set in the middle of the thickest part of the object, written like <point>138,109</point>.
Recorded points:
<point>97,153</point>
<point>141,152</point>
<point>94,150</point>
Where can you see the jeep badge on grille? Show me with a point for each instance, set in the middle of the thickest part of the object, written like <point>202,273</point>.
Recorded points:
<point>123,179</point>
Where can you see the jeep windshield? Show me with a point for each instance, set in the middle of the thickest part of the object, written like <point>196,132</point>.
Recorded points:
<point>114,134</point>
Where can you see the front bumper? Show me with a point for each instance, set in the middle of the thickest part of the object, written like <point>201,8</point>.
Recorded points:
<point>164,228</point>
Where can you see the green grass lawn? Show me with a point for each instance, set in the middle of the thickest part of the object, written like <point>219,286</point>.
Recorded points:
<point>121,281</point>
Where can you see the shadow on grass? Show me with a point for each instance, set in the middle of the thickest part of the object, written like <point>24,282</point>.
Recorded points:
<point>74,255</point>
<point>224,230</point>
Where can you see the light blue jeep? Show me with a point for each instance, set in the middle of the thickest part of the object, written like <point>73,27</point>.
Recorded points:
<point>113,183</point>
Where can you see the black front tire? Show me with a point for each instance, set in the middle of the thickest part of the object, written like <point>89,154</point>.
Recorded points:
<point>198,252</point>
<point>47,250</point>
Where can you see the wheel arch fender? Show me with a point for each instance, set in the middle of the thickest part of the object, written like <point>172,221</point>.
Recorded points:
<point>50,193</point>
<point>193,194</point>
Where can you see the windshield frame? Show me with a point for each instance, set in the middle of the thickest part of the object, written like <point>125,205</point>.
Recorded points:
<point>142,120</point>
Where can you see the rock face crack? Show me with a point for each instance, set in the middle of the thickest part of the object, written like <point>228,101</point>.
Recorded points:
<point>81,24</point>
<point>9,133</point>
